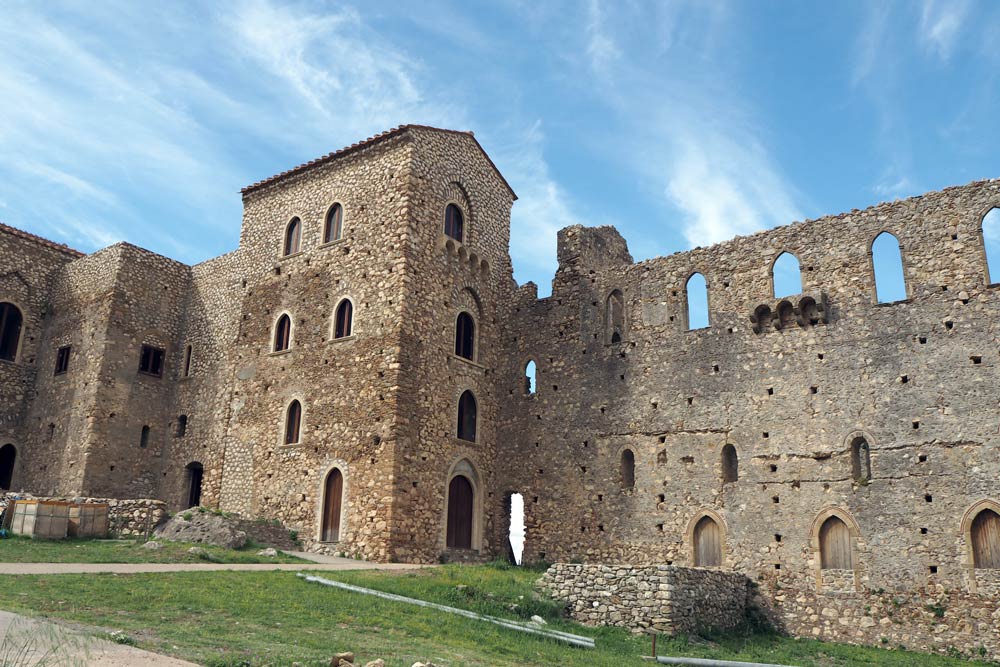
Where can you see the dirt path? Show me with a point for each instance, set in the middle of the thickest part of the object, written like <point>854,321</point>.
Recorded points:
<point>31,640</point>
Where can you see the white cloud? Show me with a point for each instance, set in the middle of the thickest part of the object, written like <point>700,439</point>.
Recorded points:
<point>941,23</point>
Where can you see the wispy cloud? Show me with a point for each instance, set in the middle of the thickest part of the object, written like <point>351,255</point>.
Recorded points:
<point>941,24</point>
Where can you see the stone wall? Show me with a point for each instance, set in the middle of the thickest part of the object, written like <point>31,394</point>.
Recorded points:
<point>659,598</point>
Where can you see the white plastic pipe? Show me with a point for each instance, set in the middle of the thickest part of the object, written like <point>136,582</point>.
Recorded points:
<point>575,640</point>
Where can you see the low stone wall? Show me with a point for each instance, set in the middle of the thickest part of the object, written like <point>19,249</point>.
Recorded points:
<point>933,620</point>
<point>657,598</point>
<point>126,517</point>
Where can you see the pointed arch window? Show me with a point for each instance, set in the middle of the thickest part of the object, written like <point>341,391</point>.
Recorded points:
<point>293,423</point>
<point>454,222</point>
<point>861,462</point>
<point>614,317</point>
<point>887,265</point>
<point>730,465</point>
<point>11,322</point>
<point>991,245</point>
<point>283,334</point>
<point>467,409</point>
<point>465,336</point>
<point>835,545</point>
<point>529,377</point>
<point>343,320</point>
<point>144,437</point>
<point>627,469</point>
<point>696,291</point>
<point>333,227</point>
<point>707,543</point>
<point>786,275</point>
<point>293,237</point>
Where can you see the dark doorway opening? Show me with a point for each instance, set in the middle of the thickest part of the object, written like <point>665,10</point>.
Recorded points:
<point>8,453</point>
<point>195,473</point>
<point>460,507</point>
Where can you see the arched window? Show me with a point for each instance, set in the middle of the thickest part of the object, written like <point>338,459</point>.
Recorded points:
<point>144,437</point>
<point>467,416</point>
<point>991,245</point>
<point>730,465</point>
<point>10,331</point>
<point>461,508</point>
<point>182,425</point>
<point>283,334</point>
<point>465,336</point>
<point>333,502</point>
<point>454,222</point>
<point>614,317</point>
<point>8,454</point>
<point>786,275</point>
<point>835,545</point>
<point>343,319</point>
<point>986,540</point>
<point>627,469</point>
<point>333,228</point>
<point>529,378</point>
<point>293,422</point>
<point>887,264</point>
<point>194,472</point>
<point>707,543</point>
<point>697,302</point>
<point>293,237</point>
<point>861,462</point>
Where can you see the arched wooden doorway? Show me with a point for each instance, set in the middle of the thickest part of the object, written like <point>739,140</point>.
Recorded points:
<point>195,474</point>
<point>8,453</point>
<point>460,513</point>
<point>707,543</point>
<point>333,501</point>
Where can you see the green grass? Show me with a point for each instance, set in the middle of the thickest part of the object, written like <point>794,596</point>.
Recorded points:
<point>27,550</point>
<point>225,619</point>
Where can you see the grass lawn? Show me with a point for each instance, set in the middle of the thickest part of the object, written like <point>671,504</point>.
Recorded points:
<point>275,618</point>
<point>27,550</point>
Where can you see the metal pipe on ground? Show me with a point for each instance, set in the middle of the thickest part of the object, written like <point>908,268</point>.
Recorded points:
<point>557,635</point>
<point>707,662</point>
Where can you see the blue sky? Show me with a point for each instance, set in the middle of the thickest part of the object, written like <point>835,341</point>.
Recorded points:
<point>682,123</point>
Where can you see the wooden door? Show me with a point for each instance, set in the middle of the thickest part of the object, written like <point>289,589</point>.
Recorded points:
<point>332,504</point>
<point>460,513</point>
<point>707,543</point>
<point>986,540</point>
<point>835,545</point>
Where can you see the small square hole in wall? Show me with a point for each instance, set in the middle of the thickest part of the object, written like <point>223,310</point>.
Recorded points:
<point>600,497</point>
<point>690,400</point>
<point>813,390</point>
<point>775,499</point>
<point>933,569</point>
<point>922,458</point>
<point>414,485</point>
<point>671,318</point>
<point>954,237</point>
<point>729,330</point>
<point>725,284</point>
<point>820,356</point>
<point>903,379</point>
<point>774,468</point>
<point>976,359</point>
<point>600,527</point>
<point>928,498</point>
<point>777,566</point>
<point>777,537</point>
<point>770,391</point>
<point>765,434</point>
<point>663,439</point>
<point>661,498</point>
<point>922,340</point>
<point>715,369</point>
<point>541,471</point>
<point>622,377</point>
<point>923,531</point>
<point>659,527</point>
<point>949,324</point>
<point>916,424</point>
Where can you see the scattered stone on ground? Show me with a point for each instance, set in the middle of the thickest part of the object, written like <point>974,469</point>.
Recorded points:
<point>197,552</point>
<point>539,620</point>
<point>339,659</point>
<point>270,552</point>
<point>152,546</point>
<point>205,527</point>
<point>376,663</point>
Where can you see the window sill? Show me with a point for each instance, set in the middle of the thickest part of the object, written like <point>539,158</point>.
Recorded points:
<point>282,258</point>
<point>325,245</point>
<point>887,304</point>
<point>291,445</point>
<point>470,362</point>
<point>465,442</point>
<point>279,353</point>
<point>342,339</point>
<point>150,375</point>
